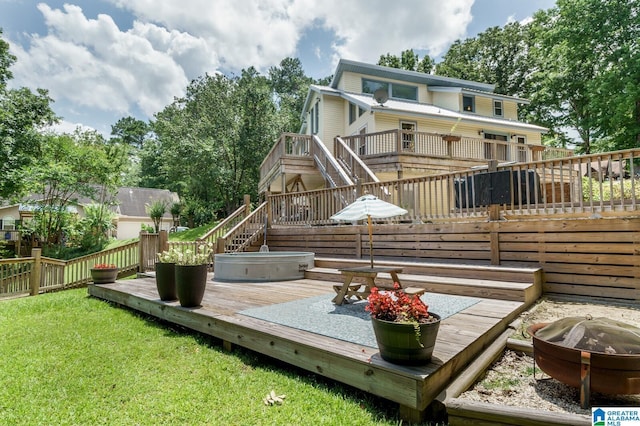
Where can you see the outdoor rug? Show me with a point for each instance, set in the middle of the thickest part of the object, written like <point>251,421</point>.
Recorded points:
<point>348,321</point>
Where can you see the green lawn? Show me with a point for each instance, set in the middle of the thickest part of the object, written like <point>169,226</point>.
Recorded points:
<point>69,359</point>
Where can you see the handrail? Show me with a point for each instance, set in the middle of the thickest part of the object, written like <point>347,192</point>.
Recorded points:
<point>223,227</point>
<point>244,233</point>
<point>359,170</point>
<point>327,162</point>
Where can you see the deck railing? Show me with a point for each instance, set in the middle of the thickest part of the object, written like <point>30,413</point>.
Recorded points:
<point>35,274</point>
<point>448,146</point>
<point>578,186</point>
<point>245,233</point>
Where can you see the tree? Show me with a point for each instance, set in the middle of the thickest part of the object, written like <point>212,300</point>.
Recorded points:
<point>408,60</point>
<point>290,86</point>
<point>22,115</point>
<point>130,131</point>
<point>587,54</point>
<point>496,56</point>
<point>155,211</point>
<point>70,167</point>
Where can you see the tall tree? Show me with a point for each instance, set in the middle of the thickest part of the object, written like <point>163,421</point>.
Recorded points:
<point>290,86</point>
<point>213,140</point>
<point>497,56</point>
<point>22,115</point>
<point>408,60</point>
<point>588,56</point>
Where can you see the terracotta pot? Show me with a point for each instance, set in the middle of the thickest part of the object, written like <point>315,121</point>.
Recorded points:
<point>400,344</point>
<point>166,281</point>
<point>191,281</point>
<point>104,276</point>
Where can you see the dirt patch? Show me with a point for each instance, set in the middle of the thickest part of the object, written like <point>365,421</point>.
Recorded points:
<point>514,380</point>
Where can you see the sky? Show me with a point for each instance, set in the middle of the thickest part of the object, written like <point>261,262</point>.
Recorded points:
<point>102,60</point>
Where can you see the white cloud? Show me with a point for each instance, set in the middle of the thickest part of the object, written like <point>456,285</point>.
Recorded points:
<point>95,64</point>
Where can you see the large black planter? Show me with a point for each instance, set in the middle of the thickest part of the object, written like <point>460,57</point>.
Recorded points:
<point>166,281</point>
<point>191,281</point>
<point>398,342</point>
<point>104,275</point>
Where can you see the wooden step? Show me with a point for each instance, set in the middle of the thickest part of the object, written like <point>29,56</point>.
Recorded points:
<point>458,270</point>
<point>475,287</point>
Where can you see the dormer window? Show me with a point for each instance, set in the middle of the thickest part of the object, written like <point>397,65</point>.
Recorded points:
<point>498,111</point>
<point>468,103</point>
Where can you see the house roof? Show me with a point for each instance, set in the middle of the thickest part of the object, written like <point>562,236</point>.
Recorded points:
<point>397,106</point>
<point>380,71</point>
<point>130,201</point>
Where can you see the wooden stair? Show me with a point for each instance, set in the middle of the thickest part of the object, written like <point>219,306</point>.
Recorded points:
<point>494,282</point>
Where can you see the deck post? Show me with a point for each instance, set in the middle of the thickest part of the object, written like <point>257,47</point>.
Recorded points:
<point>247,204</point>
<point>34,278</point>
<point>267,194</point>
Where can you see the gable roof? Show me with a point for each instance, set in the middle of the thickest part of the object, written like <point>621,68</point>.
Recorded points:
<point>132,201</point>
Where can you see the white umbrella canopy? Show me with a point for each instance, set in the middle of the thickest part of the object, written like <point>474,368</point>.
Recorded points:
<point>367,207</point>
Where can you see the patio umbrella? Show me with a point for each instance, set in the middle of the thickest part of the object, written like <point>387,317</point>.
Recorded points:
<point>367,207</point>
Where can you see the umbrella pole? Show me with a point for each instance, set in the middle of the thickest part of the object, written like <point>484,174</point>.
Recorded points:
<point>370,226</point>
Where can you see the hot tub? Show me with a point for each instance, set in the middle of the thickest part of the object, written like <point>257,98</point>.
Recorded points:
<point>262,266</point>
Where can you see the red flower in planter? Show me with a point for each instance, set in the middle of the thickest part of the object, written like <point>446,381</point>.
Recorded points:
<point>104,266</point>
<point>397,306</point>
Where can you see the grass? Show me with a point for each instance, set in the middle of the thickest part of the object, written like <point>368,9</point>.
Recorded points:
<point>68,358</point>
<point>191,234</point>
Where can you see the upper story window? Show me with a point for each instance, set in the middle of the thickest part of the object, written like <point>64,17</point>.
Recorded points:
<point>352,113</point>
<point>498,110</point>
<point>395,90</point>
<point>468,103</point>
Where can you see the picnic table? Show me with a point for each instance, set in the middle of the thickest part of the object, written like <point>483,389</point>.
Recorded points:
<point>348,290</point>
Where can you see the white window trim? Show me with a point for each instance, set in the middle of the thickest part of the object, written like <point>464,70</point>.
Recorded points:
<point>493,104</point>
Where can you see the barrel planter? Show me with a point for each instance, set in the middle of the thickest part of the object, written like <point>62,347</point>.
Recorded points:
<point>400,343</point>
<point>166,281</point>
<point>191,281</point>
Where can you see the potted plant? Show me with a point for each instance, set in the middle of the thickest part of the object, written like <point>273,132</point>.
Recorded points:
<point>404,328</point>
<point>103,273</point>
<point>165,275</point>
<point>191,274</point>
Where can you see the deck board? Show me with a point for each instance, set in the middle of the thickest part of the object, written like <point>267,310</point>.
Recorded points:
<point>461,337</point>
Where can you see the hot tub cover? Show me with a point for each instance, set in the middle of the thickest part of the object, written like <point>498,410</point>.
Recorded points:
<point>593,334</point>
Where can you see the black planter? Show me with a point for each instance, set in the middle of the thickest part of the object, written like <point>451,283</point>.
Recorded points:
<point>191,281</point>
<point>104,275</point>
<point>399,343</point>
<point>166,281</point>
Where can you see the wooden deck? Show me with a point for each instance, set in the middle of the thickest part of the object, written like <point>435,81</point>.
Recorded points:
<point>461,338</point>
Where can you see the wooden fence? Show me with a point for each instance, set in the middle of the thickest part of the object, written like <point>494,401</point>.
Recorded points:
<point>35,274</point>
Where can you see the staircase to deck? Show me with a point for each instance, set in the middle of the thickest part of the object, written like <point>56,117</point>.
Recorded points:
<point>495,282</point>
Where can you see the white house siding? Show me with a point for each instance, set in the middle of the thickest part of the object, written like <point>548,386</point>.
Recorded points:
<point>333,117</point>
<point>510,110</point>
<point>130,227</point>
<point>450,101</point>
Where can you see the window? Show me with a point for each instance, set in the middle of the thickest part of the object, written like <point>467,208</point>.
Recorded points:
<point>352,113</point>
<point>8,223</point>
<point>395,90</point>
<point>497,108</point>
<point>468,103</point>
<point>361,111</point>
<point>404,92</point>
<point>522,149</point>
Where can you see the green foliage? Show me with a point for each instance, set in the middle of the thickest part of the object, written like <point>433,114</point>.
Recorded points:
<point>156,210</point>
<point>592,189</point>
<point>96,225</point>
<point>408,60</point>
<point>83,361</point>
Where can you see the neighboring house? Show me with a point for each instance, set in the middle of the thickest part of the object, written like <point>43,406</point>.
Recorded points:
<point>374,122</point>
<point>130,212</point>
